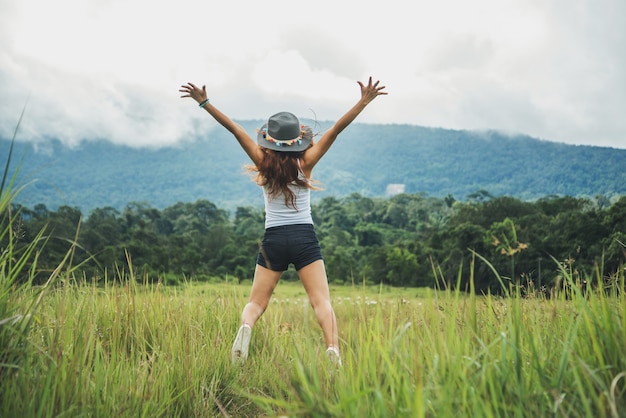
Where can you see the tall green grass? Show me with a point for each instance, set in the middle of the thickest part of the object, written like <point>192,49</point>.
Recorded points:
<point>133,349</point>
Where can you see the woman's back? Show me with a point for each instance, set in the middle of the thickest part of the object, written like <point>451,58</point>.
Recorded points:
<point>278,213</point>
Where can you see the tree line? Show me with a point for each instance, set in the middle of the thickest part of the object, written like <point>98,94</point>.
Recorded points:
<point>407,240</point>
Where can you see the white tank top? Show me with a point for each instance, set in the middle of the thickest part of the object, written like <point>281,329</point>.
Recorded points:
<point>277,213</point>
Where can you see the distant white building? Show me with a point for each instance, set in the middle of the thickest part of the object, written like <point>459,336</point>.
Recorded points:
<point>394,189</point>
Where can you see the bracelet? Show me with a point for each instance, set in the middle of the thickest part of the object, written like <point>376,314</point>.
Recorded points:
<point>204,103</point>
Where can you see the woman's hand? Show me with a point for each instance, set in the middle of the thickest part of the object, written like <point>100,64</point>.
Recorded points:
<point>371,91</point>
<point>313,154</point>
<point>195,92</point>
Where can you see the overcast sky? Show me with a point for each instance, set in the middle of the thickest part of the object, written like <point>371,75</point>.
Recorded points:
<point>111,69</point>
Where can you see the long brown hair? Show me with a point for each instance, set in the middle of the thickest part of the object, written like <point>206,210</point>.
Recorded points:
<point>278,170</point>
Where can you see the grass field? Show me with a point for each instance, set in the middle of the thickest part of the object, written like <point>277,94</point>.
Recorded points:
<point>129,350</point>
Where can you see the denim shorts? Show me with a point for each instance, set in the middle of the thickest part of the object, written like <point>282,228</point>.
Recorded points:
<point>289,244</point>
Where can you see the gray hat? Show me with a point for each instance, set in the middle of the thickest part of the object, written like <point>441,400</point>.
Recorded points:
<point>283,132</point>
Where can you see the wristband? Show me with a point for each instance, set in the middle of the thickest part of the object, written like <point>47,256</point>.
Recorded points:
<point>203,103</point>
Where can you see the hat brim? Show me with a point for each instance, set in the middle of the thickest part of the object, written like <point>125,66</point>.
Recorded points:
<point>302,145</point>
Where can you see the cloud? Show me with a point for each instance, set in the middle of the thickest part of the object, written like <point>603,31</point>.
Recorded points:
<point>323,52</point>
<point>74,107</point>
<point>110,69</point>
<point>579,78</point>
<point>460,52</point>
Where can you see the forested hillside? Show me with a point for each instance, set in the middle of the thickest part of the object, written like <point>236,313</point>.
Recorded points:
<point>365,160</point>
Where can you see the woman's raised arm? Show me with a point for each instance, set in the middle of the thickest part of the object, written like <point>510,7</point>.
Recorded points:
<point>247,143</point>
<point>368,93</point>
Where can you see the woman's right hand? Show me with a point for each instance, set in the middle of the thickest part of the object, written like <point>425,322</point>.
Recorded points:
<point>370,91</point>
<point>193,91</point>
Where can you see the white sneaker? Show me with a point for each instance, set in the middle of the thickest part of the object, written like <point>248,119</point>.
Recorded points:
<point>333,355</point>
<point>239,353</point>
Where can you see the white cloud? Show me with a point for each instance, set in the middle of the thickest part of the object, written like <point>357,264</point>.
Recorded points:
<point>111,68</point>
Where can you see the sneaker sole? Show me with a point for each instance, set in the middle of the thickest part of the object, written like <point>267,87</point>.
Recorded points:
<point>239,352</point>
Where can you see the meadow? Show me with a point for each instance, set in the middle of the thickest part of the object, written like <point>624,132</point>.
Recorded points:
<point>127,349</point>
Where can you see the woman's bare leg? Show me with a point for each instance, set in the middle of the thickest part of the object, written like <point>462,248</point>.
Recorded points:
<point>315,282</point>
<point>265,281</point>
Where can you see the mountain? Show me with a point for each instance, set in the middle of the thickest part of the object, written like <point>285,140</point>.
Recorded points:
<point>366,159</point>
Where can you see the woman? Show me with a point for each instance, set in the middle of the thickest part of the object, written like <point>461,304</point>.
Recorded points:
<point>284,155</point>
